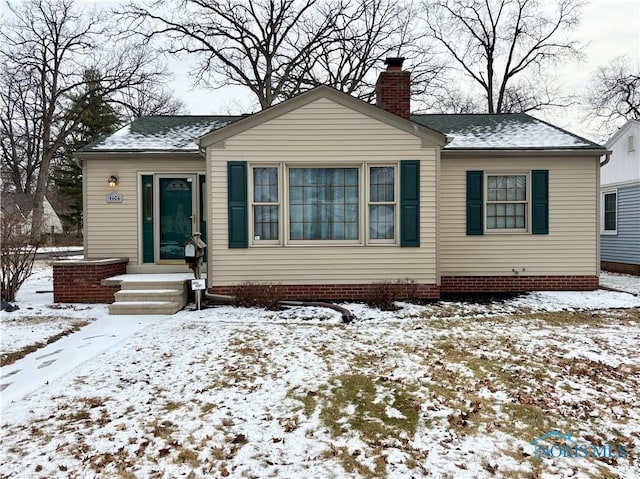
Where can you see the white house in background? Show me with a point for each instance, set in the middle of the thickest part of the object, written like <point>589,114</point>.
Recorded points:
<point>620,202</point>
<point>22,204</point>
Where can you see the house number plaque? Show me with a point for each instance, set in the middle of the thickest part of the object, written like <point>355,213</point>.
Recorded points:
<point>114,197</point>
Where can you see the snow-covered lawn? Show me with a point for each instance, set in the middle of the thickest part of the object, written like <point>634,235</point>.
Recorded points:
<point>39,320</point>
<point>623,282</point>
<point>448,389</point>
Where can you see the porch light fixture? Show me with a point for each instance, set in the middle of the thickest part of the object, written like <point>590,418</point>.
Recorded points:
<point>112,181</point>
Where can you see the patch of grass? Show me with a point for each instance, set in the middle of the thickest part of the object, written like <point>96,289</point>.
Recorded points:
<point>527,421</point>
<point>172,406</point>
<point>568,318</point>
<point>76,416</point>
<point>163,429</point>
<point>351,464</point>
<point>187,456</point>
<point>370,417</point>
<point>309,401</point>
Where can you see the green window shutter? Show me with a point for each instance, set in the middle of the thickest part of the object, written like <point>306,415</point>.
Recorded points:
<point>540,202</point>
<point>474,203</point>
<point>410,203</point>
<point>237,198</point>
<point>204,207</point>
<point>147,219</point>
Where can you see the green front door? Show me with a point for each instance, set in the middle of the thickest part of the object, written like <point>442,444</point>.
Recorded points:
<point>176,207</point>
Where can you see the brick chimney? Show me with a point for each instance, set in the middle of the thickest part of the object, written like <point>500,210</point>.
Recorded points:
<point>393,89</point>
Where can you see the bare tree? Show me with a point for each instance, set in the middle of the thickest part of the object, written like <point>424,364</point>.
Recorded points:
<point>17,255</point>
<point>615,94</point>
<point>144,100</point>
<point>257,44</point>
<point>503,46</point>
<point>278,48</point>
<point>48,45</point>
<point>19,124</point>
<point>367,32</point>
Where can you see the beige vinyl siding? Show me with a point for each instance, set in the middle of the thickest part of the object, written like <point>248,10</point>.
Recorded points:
<point>113,229</point>
<point>570,248</point>
<point>318,134</point>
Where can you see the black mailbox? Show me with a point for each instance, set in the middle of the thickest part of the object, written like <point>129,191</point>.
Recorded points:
<point>194,250</point>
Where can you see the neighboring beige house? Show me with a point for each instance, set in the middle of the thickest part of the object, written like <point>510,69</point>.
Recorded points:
<point>325,194</point>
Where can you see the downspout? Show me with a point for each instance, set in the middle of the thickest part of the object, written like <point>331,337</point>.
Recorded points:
<point>607,158</point>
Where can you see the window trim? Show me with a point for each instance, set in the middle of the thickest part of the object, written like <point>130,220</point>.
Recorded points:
<point>363,199</point>
<point>396,208</point>
<point>252,203</point>
<point>603,231</point>
<point>528,213</point>
<point>285,210</point>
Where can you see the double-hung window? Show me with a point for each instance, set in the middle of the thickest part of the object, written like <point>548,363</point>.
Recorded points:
<point>266,205</point>
<point>507,202</point>
<point>382,204</point>
<point>610,212</point>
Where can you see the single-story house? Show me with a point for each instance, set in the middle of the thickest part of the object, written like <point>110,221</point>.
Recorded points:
<point>325,194</point>
<point>620,202</point>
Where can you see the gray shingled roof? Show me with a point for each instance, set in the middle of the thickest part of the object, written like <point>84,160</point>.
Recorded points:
<point>473,131</point>
<point>502,131</point>
<point>160,133</point>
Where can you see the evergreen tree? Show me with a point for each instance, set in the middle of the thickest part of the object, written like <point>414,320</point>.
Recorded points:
<point>98,118</point>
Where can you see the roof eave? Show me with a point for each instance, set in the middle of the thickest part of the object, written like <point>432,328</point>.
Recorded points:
<point>110,154</point>
<point>521,152</point>
<point>621,131</point>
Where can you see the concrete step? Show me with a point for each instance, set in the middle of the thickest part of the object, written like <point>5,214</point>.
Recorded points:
<point>126,295</point>
<point>154,285</point>
<point>149,294</point>
<point>145,307</point>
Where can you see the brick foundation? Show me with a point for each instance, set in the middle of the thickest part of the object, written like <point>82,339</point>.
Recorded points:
<point>516,284</point>
<point>339,292</point>
<point>626,268</point>
<point>81,281</point>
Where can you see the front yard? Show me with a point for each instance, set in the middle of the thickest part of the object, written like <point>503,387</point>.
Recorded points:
<point>450,389</point>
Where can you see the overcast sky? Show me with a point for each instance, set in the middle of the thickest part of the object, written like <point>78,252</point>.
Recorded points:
<point>610,27</point>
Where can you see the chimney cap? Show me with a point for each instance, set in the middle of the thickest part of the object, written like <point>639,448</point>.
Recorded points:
<point>394,62</point>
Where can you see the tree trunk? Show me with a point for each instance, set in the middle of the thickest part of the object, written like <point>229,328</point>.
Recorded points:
<point>37,217</point>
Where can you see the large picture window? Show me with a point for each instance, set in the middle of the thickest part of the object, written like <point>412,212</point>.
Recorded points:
<point>324,204</point>
<point>507,204</point>
<point>297,205</point>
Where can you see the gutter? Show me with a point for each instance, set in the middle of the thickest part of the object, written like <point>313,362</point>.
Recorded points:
<point>607,158</point>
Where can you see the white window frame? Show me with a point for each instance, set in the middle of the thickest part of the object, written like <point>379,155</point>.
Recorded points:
<point>254,241</point>
<point>602,213</point>
<point>396,213</point>
<point>284,226</point>
<point>527,202</point>
<point>631,143</point>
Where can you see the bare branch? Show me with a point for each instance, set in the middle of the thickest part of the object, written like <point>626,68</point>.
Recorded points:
<point>45,48</point>
<point>615,95</point>
<point>501,44</point>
